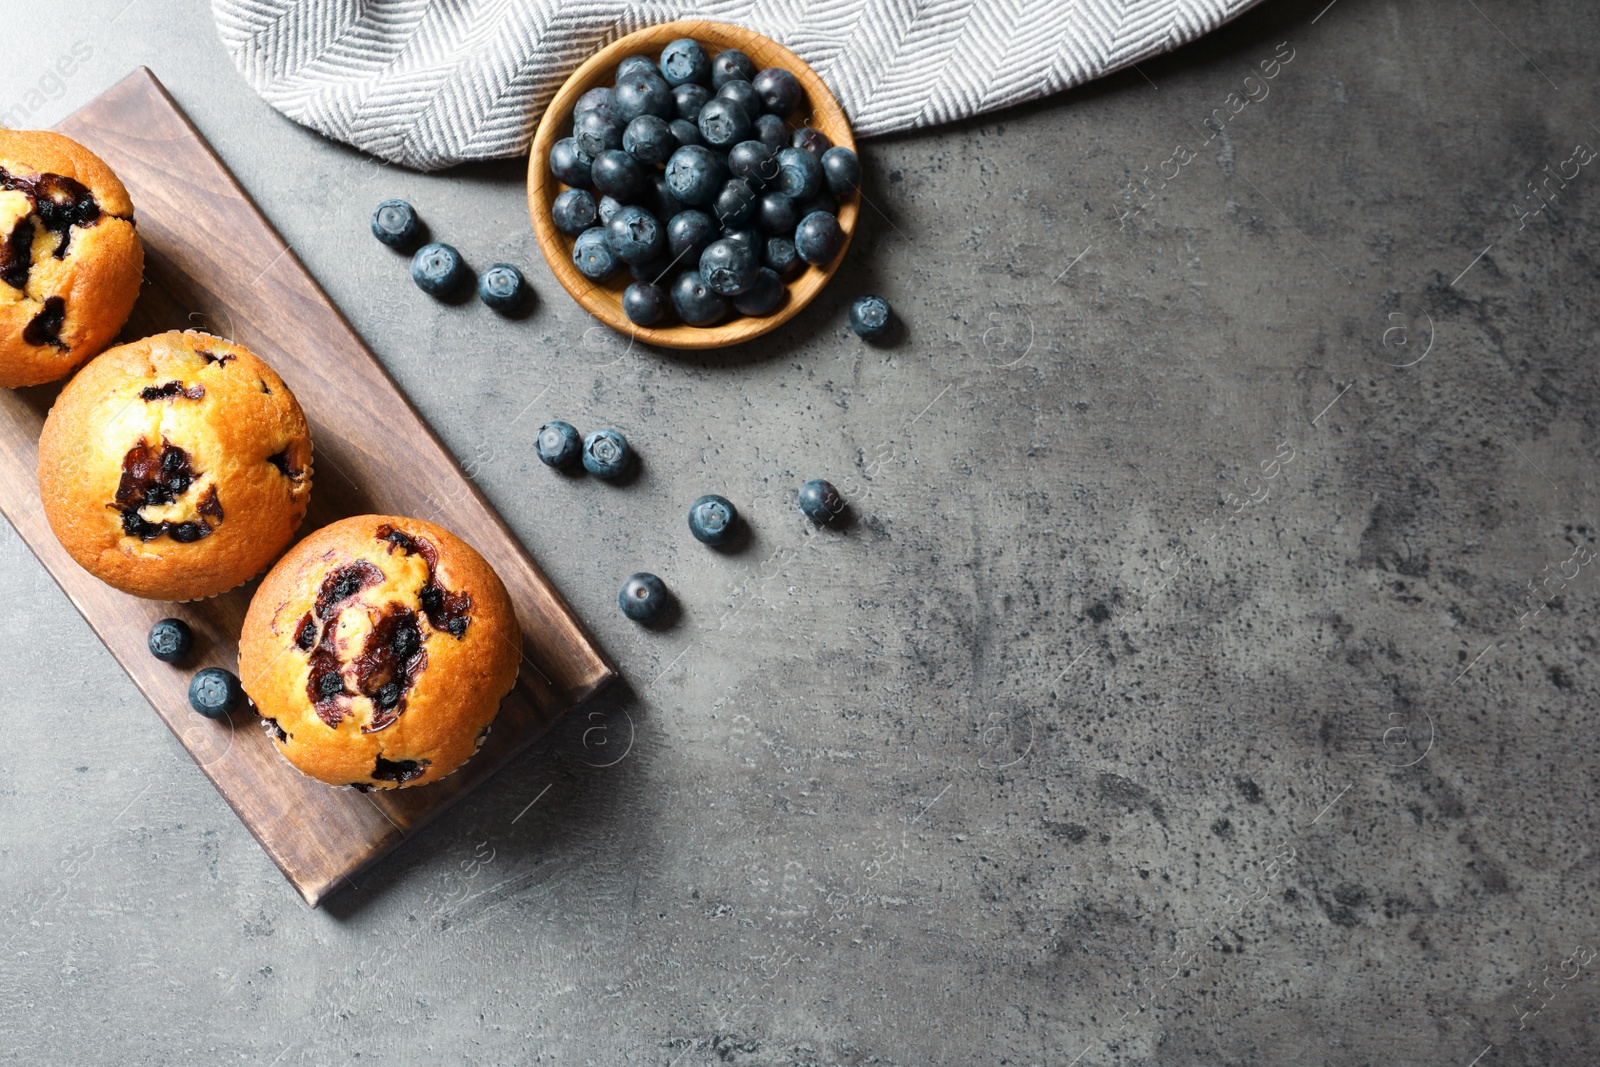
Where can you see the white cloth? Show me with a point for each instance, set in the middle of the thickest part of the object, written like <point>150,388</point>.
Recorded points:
<point>430,83</point>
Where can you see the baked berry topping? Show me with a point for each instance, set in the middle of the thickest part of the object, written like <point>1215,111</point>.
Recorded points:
<point>155,478</point>
<point>45,327</point>
<point>330,685</point>
<point>342,584</point>
<point>399,771</point>
<point>222,361</point>
<point>274,730</point>
<point>16,255</point>
<point>59,203</point>
<point>171,390</point>
<point>446,611</point>
<point>281,461</point>
<point>388,665</point>
<point>305,635</point>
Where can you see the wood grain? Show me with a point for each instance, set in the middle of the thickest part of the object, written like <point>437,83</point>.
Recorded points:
<point>603,300</point>
<point>214,262</point>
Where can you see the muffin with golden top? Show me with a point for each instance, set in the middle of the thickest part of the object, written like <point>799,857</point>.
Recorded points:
<point>70,260</point>
<point>175,467</point>
<point>377,652</point>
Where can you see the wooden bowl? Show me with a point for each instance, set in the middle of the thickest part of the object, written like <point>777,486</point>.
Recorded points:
<point>603,300</point>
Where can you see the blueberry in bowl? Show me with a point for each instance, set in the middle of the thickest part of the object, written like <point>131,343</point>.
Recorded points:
<point>818,238</point>
<point>729,267</point>
<point>646,303</point>
<point>634,236</point>
<point>731,65</point>
<point>574,211</point>
<point>695,302</point>
<point>764,296</point>
<point>684,61</point>
<point>606,454</point>
<point>557,444</point>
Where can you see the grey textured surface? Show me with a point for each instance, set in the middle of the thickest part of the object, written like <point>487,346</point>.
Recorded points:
<point>1064,751</point>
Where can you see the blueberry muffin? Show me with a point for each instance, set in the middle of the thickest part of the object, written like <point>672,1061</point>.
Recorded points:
<point>70,261</point>
<point>377,652</point>
<point>175,467</point>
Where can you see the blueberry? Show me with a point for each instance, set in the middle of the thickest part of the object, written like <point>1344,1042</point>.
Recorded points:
<point>711,519</point>
<point>842,170</point>
<point>780,256</point>
<point>574,211</point>
<point>500,288</point>
<point>764,297</point>
<point>557,444</point>
<point>651,271</point>
<point>634,236</point>
<point>732,65</point>
<point>591,255</point>
<point>870,317</point>
<point>695,174</point>
<point>170,640</point>
<point>616,174</point>
<point>608,208</point>
<point>660,198</point>
<point>748,238</point>
<point>729,267</point>
<point>823,201</point>
<point>595,132</point>
<point>644,94</point>
<point>735,206</point>
<point>771,131</point>
<point>214,692</point>
<point>606,453</point>
<point>743,94</point>
<point>649,140</point>
<point>799,173</point>
<point>601,98</point>
<point>635,65</point>
<point>688,233</point>
<point>694,301</point>
<point>645,303</point>
<point>820,501</point>
<point>778,214</point>
<point>684,61</point>
<point>642,597</point>
<point>438,269</point>
<point>752,161</point>
<point>570,164</point>
<point>684,131</point>
<point>723,123</point>
<point>814,141</point>
<point>395,224</point>
<point>779,90</point>
<point>688,99</point>
<point>818,238</point>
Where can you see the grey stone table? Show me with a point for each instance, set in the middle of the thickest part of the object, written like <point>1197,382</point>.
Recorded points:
<point>1207,677</point>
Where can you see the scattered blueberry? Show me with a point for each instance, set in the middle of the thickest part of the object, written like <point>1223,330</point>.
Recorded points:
<point>799,173</point>
<point>649,140</point>
<point>634,236</point>
<point>688,99</point>
<point>736,205</point>
<point>778,214</point>
<point>812,140</point>
<point>820,501</point>
<point>780,256</point>
<point>642,597</point>
<point>608,208</point>
<point>688,233</point>
<point>695,174</point>
<point>870,317</point>
<point>437,269</point>
<point>635,65</point>
<point>744,94</point>
<point>570,163</point>
<point>842,170</point>
<point>214,692</point>
<point>685,61</point>
<point>500,288</point>
<point>645,303</point>
<point>779,90</point>
<point>596,132</point>
<point>606,453</point>
<point>764,297</point>
<point>770,131</point>
<point>729,267</point>
<point>724,123</point>
<point>694,301</point>
<point>593,258</point>
<point>395,224</point>
<point>732,65</point>
<point>684,131</point>
<point>601,98</point>
<point>711,519</point>
<point>574,211</point>
<point>616,174</point>
<point>557,444</point>
<point>170,640</point>
<point>818,238</point>
<point>644,93</point>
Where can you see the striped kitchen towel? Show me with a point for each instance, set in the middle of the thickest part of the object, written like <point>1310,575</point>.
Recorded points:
<point>430,83</point>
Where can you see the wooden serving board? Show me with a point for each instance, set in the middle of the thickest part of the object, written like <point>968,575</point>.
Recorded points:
<point>213,261</point>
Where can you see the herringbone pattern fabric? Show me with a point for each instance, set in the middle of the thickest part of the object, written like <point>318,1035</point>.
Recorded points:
<point>429,83</point>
